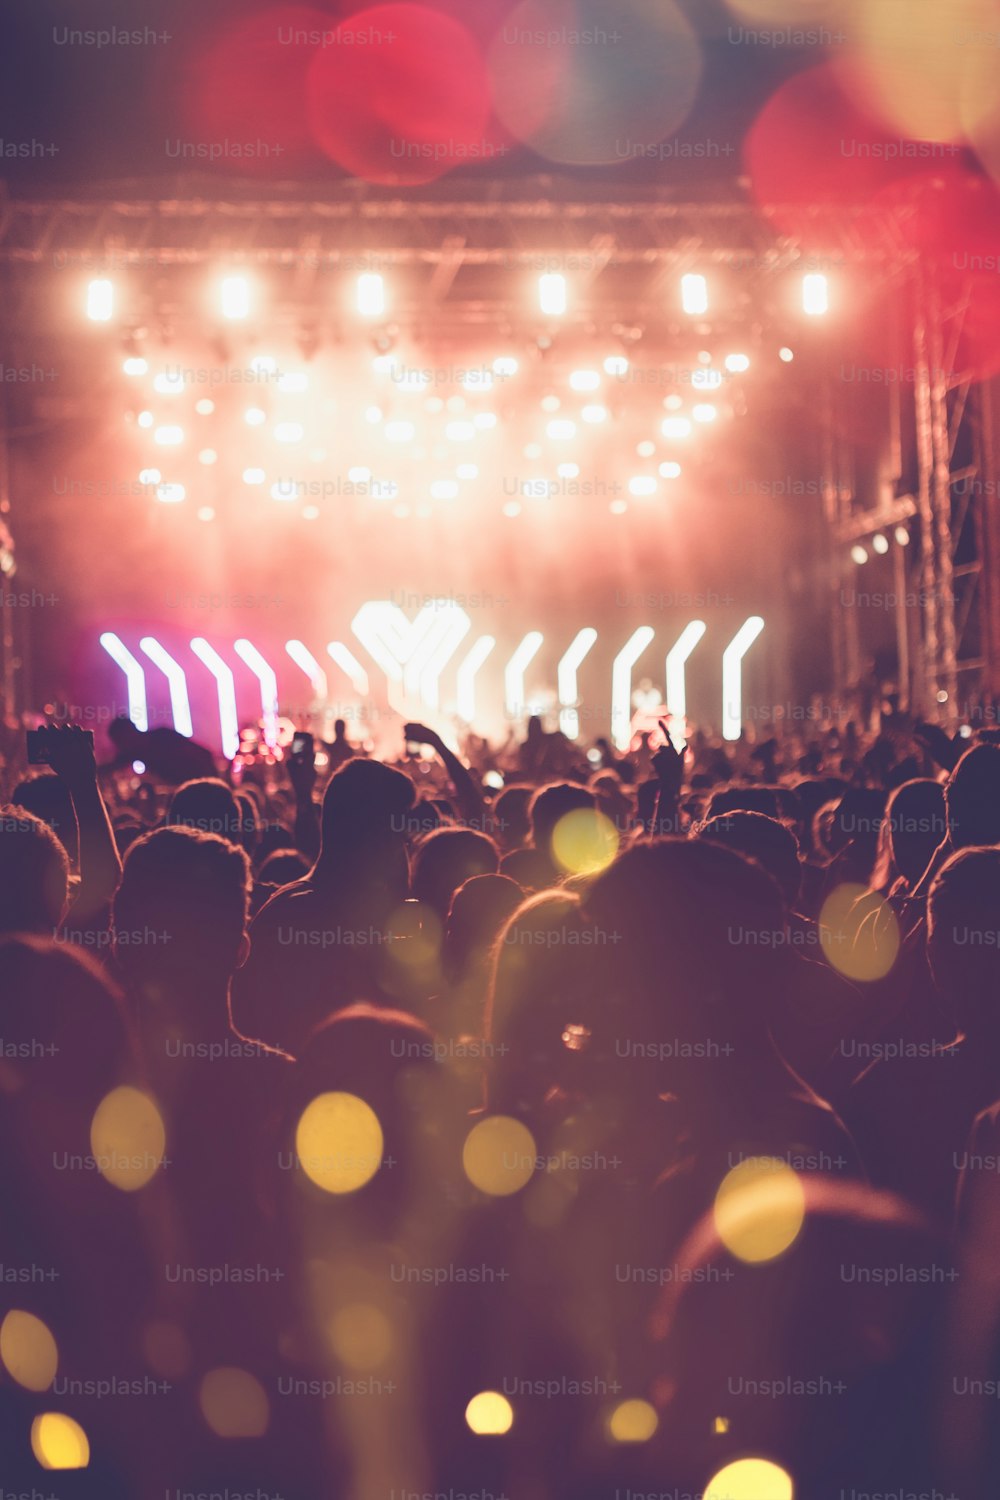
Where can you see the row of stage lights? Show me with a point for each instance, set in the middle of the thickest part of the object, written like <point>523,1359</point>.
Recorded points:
<point>236,296</point>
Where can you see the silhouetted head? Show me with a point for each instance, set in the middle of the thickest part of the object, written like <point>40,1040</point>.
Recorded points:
<point>206,804</point>
<point>972,797</point>
<point>180,912</point>
<point>124,735</point>
<point>479,910</point>
<point>772,844</point>
<point>283,866</point>
<point>758,799</point>
<point>48,797</point>
<point>34,874</point>
<point>963,936</point>
<point>339,729</point>
<point>365,819</point>
<point>915,823</point>
<point>510,815</point>
<point>445,860</point>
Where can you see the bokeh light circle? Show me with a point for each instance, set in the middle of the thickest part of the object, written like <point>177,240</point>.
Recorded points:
<point>127,1139</point>
<point>339,1142</point>
<point>58,1442</point>
<point>407,106</point>
<point>586,84</point>
<point>750,1479</point>
<point>858,940</point>
<point>489,1414</point>
<point>633,1421</point>
<point>584,841</point>
<point>234,1403</point>
<point>499,1156</point>
<point>28,1351</point>
<point>759,1209</point>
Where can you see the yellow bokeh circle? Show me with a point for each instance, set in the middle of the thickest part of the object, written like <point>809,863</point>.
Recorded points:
<point>339,1142</point>
<point>127,1139</point>
<point>633,1422</point>
<point>489,1414</point>
<point>499,1156</point>
<point>58,1442</point>
<point>750,1479</point>
<point>759,1209</point>
<point>859,933</point>
<point>584,841</point>
<point>28,1350</point>
<point>234,1403</point>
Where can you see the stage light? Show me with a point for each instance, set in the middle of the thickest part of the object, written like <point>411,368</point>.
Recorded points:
<point>514,673</point>
<point>205,513</point>
<point>265,675</point>
<point>235,297</point>
<point>902,536</point>
<point>149,476</point>
<point>594,414</point>
<point>444,489</point>
<point>489,1414</point>
<point>253,416</point>
<point>263,364</point>
<point>254,476</point>
<point>383,364</point>
<point>670,470</point>
<point>145,419</point>
<point>616,365</point>
<point>511,508</point>
<point>168,437</point>
<point>399,432</point>
<point>566,677</point>
<point>371,295</point>
<point>706,380</point>
<point>704,412</point>
<point>645,449</point>
<point>135,678</point>
<point>815,295</point>
<point>737,363</point>
<point>180,705</point>
<point>294,382</point>
<point>359,474</point>
<point>465,678</point>
<point>584,380</point>
<point>618,507</point>
<point>673,402</point>
<point>552,294</point>
<point>550,403</point>
<point>134,365</point>
<point>642,484</point>
<point>412,380</point>
<point>289,432</point>
<point>750,1479</point>
<point>207,456</point>
<point>694,294</point>
<point>468,471</point>
<point>169,385</point>
<point>858,554</point>
<point>100,301</point>
<point>880,544</point>
<point>456,403</point>
<point>349,664</point>
<point>504,366</point>
<point>732,676</point>
<point>568,471</point>
<point>204,407</point>
<point>478,380</point>
<point>676,427</point>
<point>621,682</point>
<point>677,660</point>
<point>226,691</point>
<point>561,429</point>
<point>460,432</point>
<point>310,512</point>
<point>532,450</point>
<point>170,494</point>
<point>485,420</point>
<point>784,353</point>
<point>283,490</point>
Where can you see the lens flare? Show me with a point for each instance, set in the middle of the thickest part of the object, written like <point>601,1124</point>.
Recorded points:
<point>759,1209</point>
<point>339,1142</point>
<point>633,1422</point>
<point>489,1414</point>
<point>584,841</point>
<point>499,1156</point>
<point>750,1479</point>
<point>859,933</point>
<point>128,1139</point>
<point>58,1442</point>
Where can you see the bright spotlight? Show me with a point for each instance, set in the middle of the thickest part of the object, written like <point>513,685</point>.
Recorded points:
<point>170,494</point>
<point>149,476</point>
<point>784,353</point>
<point>254,476</point>
<point>444,489</point>
<point>467,471</point>
<point>902,536</point>
<point>282,490</point>
<point>504,366</point>
<point>460,432</point>
<point>880,544</point>
<point>235,297</point>
<point>294,381</point>
<point>253,416</point>
<point>485,420</point>
<point>168,437</point>
<point>670,470</point>
<point>676,427</point>
<point>552,294</point>
<point>399,432</point>
<point>134,365</point>
<point>568,471</point>
<point>373,414</point>
<point>694,294</point>
<point>616,365</point>
<point>584,380</point>
<point>145,419</point>
<point>858,554</point>
<point>359,474</point>
<point>263,364</point>
<point>704,412</point>
<point>594,413</point>
<point>732,676</point>
<point>642,484</point>
<point>371,295</point>
<point>207,456</point>
<point>815,294</point>
<point>204,407</point>
<point>169,385</point>
<point>737,363</point>
<point>288,432</point>
<point>100,300</point>
<point>706,380</point>
<point>561,429</point>
<point>645,449</point>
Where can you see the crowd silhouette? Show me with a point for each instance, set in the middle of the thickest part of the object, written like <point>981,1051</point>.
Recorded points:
<point>511,1122</point>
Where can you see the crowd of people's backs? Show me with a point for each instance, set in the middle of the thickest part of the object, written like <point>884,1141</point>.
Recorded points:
<point>623,1130</point>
